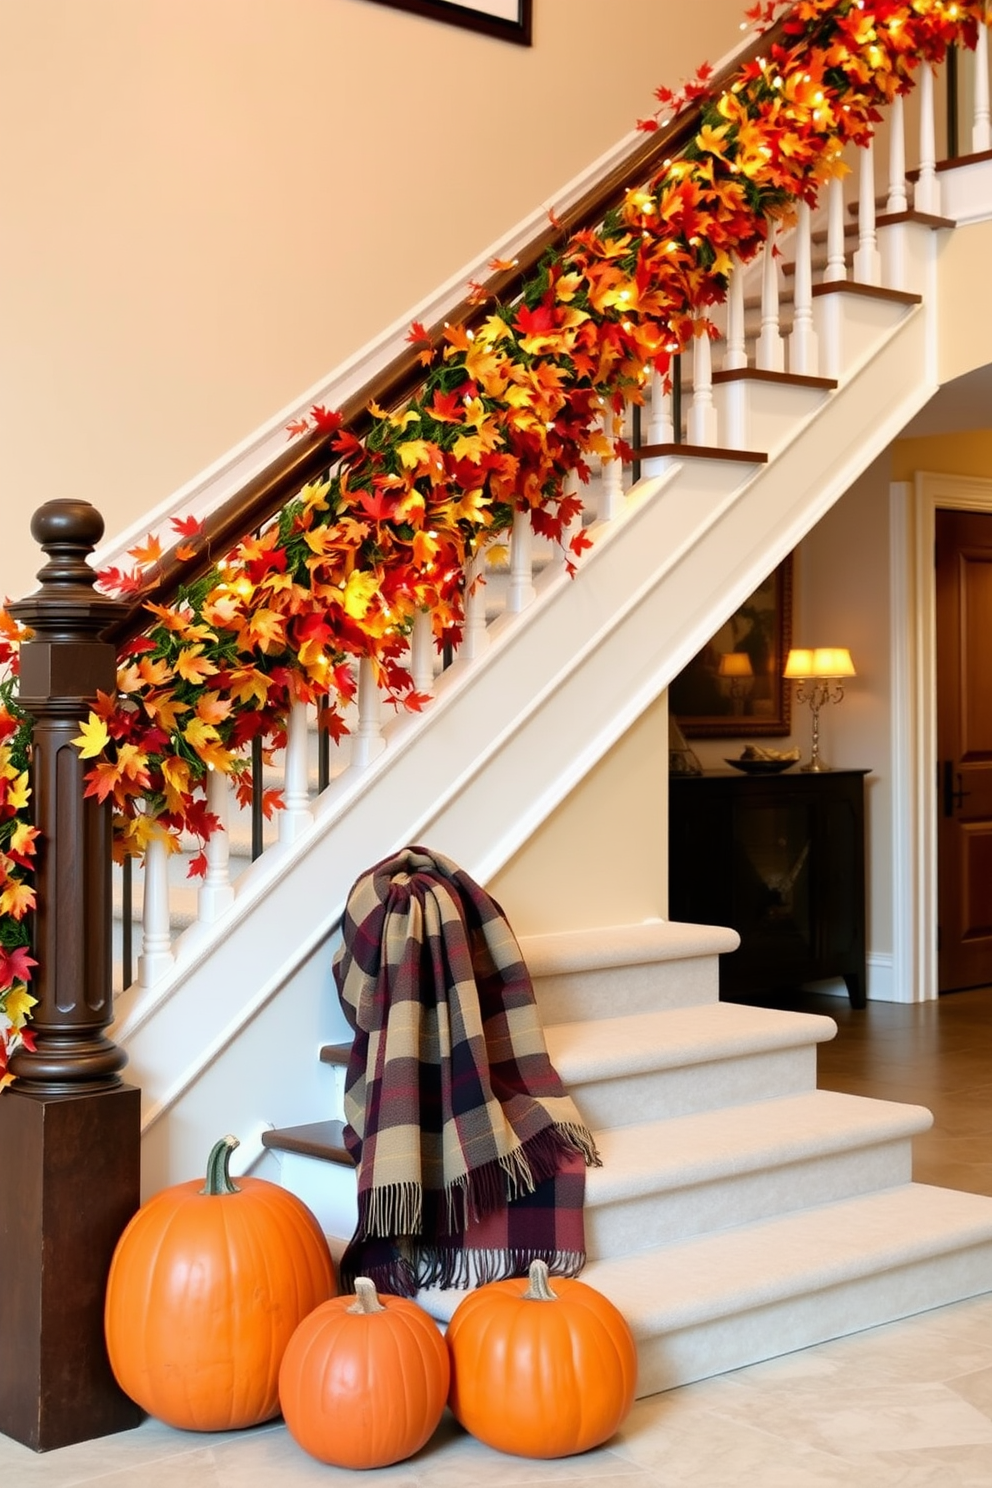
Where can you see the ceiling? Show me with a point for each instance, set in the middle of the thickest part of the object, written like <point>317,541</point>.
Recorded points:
<point>965,403</point>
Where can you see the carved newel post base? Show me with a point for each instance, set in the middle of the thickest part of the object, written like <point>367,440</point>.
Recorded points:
<point>69,1129</point>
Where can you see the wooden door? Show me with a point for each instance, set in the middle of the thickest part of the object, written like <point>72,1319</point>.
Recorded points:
<point>964,748</point>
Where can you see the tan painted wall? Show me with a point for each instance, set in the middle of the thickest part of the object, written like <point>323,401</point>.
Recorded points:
<point>601,858</point>
<point>206,206</point>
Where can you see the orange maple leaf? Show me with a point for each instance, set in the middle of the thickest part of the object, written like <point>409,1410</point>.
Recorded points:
<point>148,552</point>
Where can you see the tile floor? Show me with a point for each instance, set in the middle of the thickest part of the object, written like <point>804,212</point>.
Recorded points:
<point>904,1406</point>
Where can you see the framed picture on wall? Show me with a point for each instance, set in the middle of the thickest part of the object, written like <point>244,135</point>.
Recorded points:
<point>734,688</point>
<point>510,20</point>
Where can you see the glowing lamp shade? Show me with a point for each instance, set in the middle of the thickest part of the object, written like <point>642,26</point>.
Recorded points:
<point>819,661</point>
<point>735,664</point>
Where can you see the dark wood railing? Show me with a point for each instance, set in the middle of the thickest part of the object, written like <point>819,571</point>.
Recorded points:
<point>312,454</point>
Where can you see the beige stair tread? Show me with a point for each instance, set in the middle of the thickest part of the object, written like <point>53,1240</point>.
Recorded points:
<point>623,945</point>
<point>686,1150</point>
<point>609,1048</point>
<point>737,1271</point>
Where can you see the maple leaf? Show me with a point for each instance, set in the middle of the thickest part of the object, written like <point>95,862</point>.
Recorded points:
<point>212,708</point>
<point>414,702</point>
<point>92,738</point>
<point>193,666</point>
<point>419,337</point>
<point>197,866</point>
<point>327,421</point>
<point>148,552</point>
<point>17,1005</point>
<point>187,526</point>
<point>359,592</point>
<point>377,505</point>
<point>15,966</point>
<point>502,265</point>
<point>17,899</point>
<point>297,427</point>
<point>647,126</point>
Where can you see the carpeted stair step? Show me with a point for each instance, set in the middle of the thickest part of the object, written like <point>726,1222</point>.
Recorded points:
<point>595,974</point>
<point>662,1181</point>
<point>679,1061</point>
<point>722,1301</point>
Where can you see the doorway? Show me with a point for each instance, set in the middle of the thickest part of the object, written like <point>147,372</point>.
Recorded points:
<point>916,798</point>
<point>963,616</point>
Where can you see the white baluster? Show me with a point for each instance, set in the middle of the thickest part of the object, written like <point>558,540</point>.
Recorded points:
<point>521,591</point>
<point>926,194</point>
<point>836,270</point>
<point>702,414</point>
<point>295,816</point>
<point>217,892</point>
<point>368,742</point>
<point>867,261</point>
<point>981,129</point>
<point>898,201</point>
<point>422,652</point>
<point>735,354</point>
<point>611,480</point>
<point>475,636</point>
<point>156,939</point>
<point>661,429</point>
<point>771,349</point>
<point>803,351</point>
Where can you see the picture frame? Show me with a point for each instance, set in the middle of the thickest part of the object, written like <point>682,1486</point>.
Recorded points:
<point>716,699</point>
<point>507,20</point>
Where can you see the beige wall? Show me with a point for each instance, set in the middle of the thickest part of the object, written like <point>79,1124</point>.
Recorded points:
<point>601,858</point>
<point>206,206</point>
<point>965,453</point>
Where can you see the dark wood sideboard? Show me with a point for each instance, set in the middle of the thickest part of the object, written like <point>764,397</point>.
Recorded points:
<point>781,859</point>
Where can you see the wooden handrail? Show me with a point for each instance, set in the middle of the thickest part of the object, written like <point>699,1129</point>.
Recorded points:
<point>311,454</point>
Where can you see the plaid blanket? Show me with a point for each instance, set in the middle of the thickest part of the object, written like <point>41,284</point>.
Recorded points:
<point>471,1156</point>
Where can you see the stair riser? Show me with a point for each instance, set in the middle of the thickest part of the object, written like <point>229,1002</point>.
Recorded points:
<point>669,1358</point>
<point>615,992</point>
<point>690,1089</point>
<point>328,1189</point>
<point>636,1225</point>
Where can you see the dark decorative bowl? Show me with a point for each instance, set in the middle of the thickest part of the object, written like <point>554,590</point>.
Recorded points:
<point>762,766</point>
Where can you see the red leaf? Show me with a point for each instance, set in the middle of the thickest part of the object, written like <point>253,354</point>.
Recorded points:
<point>648,126</point>
<point>187,526</point>
<point>297,427</point>
<point>327,421</point>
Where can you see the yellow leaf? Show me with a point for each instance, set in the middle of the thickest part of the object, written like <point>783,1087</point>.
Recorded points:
<point>416,452</point>
<point>359,592</point>
<point>199,733</point>
<point>92,738</point>
<point>18,1004</point>
<point>19,793</point>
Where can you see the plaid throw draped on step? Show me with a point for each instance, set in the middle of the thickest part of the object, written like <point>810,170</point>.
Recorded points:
<point>471,1157</point>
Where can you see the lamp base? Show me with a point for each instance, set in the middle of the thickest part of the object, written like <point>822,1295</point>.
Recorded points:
<point>815,767</point>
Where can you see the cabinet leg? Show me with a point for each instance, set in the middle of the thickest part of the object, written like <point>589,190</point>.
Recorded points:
<point>855,984</point>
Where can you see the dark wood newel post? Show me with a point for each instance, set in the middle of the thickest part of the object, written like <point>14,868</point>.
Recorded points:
<point>69,1127</point>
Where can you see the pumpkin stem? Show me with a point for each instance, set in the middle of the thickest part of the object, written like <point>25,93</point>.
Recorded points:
<point>540,1286</point>
<point>366,1300</point>
<point>218,1180</point>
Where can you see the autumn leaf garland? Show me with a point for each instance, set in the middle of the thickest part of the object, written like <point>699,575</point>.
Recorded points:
<point>506,412</point>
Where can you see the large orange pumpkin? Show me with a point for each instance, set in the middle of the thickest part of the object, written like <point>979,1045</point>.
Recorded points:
<point>206,1286</point>
<point>537,1372</point>
<point>364,1380</point>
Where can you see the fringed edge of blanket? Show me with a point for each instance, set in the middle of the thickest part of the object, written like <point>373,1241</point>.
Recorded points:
<point>463,1269</point>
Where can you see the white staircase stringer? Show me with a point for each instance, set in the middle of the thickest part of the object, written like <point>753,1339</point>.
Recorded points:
<point>505,742</point>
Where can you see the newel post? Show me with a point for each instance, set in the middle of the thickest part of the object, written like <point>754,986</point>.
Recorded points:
<point>69,1127</point>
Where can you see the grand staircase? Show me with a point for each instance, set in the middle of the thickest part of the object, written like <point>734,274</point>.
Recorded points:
<point>740,1212</point>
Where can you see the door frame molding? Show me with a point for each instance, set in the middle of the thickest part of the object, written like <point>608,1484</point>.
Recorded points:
<point>913,507</point>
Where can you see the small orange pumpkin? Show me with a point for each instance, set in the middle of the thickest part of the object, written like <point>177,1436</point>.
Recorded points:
<point>206,1286</point>
<point>540,1373</point>
<point>364,1380</point>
